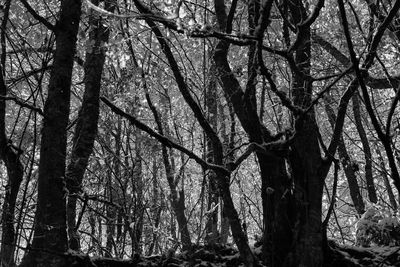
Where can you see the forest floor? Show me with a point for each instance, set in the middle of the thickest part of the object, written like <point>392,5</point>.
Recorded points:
<point>227,256</point>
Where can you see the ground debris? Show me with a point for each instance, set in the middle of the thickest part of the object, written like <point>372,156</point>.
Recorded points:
<point>339,255</point>
<point>228,256</point>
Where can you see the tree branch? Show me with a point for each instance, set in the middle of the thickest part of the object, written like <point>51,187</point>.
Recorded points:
<point>22,104</point>
<point>182,86</point>
<point>162,139</point>
<point>360,76</point>
<point>41,19</point>
<point>305,25</point>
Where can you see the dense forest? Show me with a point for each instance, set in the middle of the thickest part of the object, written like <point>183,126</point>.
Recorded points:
<point>181,132</point>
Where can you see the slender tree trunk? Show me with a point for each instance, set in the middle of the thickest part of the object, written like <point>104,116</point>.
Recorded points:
<point>12,162</point>
<point>212,235</point>
<point>347,164</point>
<point>139,205</point>
<point>156,207</point>
<point>114,192</point>
<point>177,197</point>
<point>350,172</point>
<point>110,210</point>
<point>86,127</point>
<point>229,144</point>
<point>50,237</point>
<point>367,150</point>
<point>384,173</point>
<point>177,203</point>
<point>14,174</point>
<point>236,227</point>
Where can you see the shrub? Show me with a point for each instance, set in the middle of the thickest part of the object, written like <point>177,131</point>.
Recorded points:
<point>374,229</point>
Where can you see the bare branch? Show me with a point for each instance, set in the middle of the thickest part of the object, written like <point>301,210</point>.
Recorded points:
<point>162,139</point>
<point>23,104</point>
<point>41,19</point>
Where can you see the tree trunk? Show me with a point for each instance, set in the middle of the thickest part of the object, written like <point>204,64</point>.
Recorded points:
<point>177,198</point>
<point>156,208</point>
<point>12,162</point>
<point>86,126</point>
<point>350,172</point>
<point>367,150</point>
<point>236,227</point>
<point>50,237</point>
<point>212,235</point>
<point>137,230</point>
<point>305,158</point>
<point>229,145</point>
<point>15,174</point>
<point>278,210</point>
<point>347,164</point>
<point>384,173</point>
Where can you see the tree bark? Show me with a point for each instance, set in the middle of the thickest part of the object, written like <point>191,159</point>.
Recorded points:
<point>86,126</point>
<point>305,156</point>
<point>50,235</point>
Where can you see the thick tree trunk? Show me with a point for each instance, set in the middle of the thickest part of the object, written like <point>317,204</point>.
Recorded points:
<point>305,158</point>
<point>86,126</point>
<point>307,234</point>
<point>50,235</point>
<point>277,198</point>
